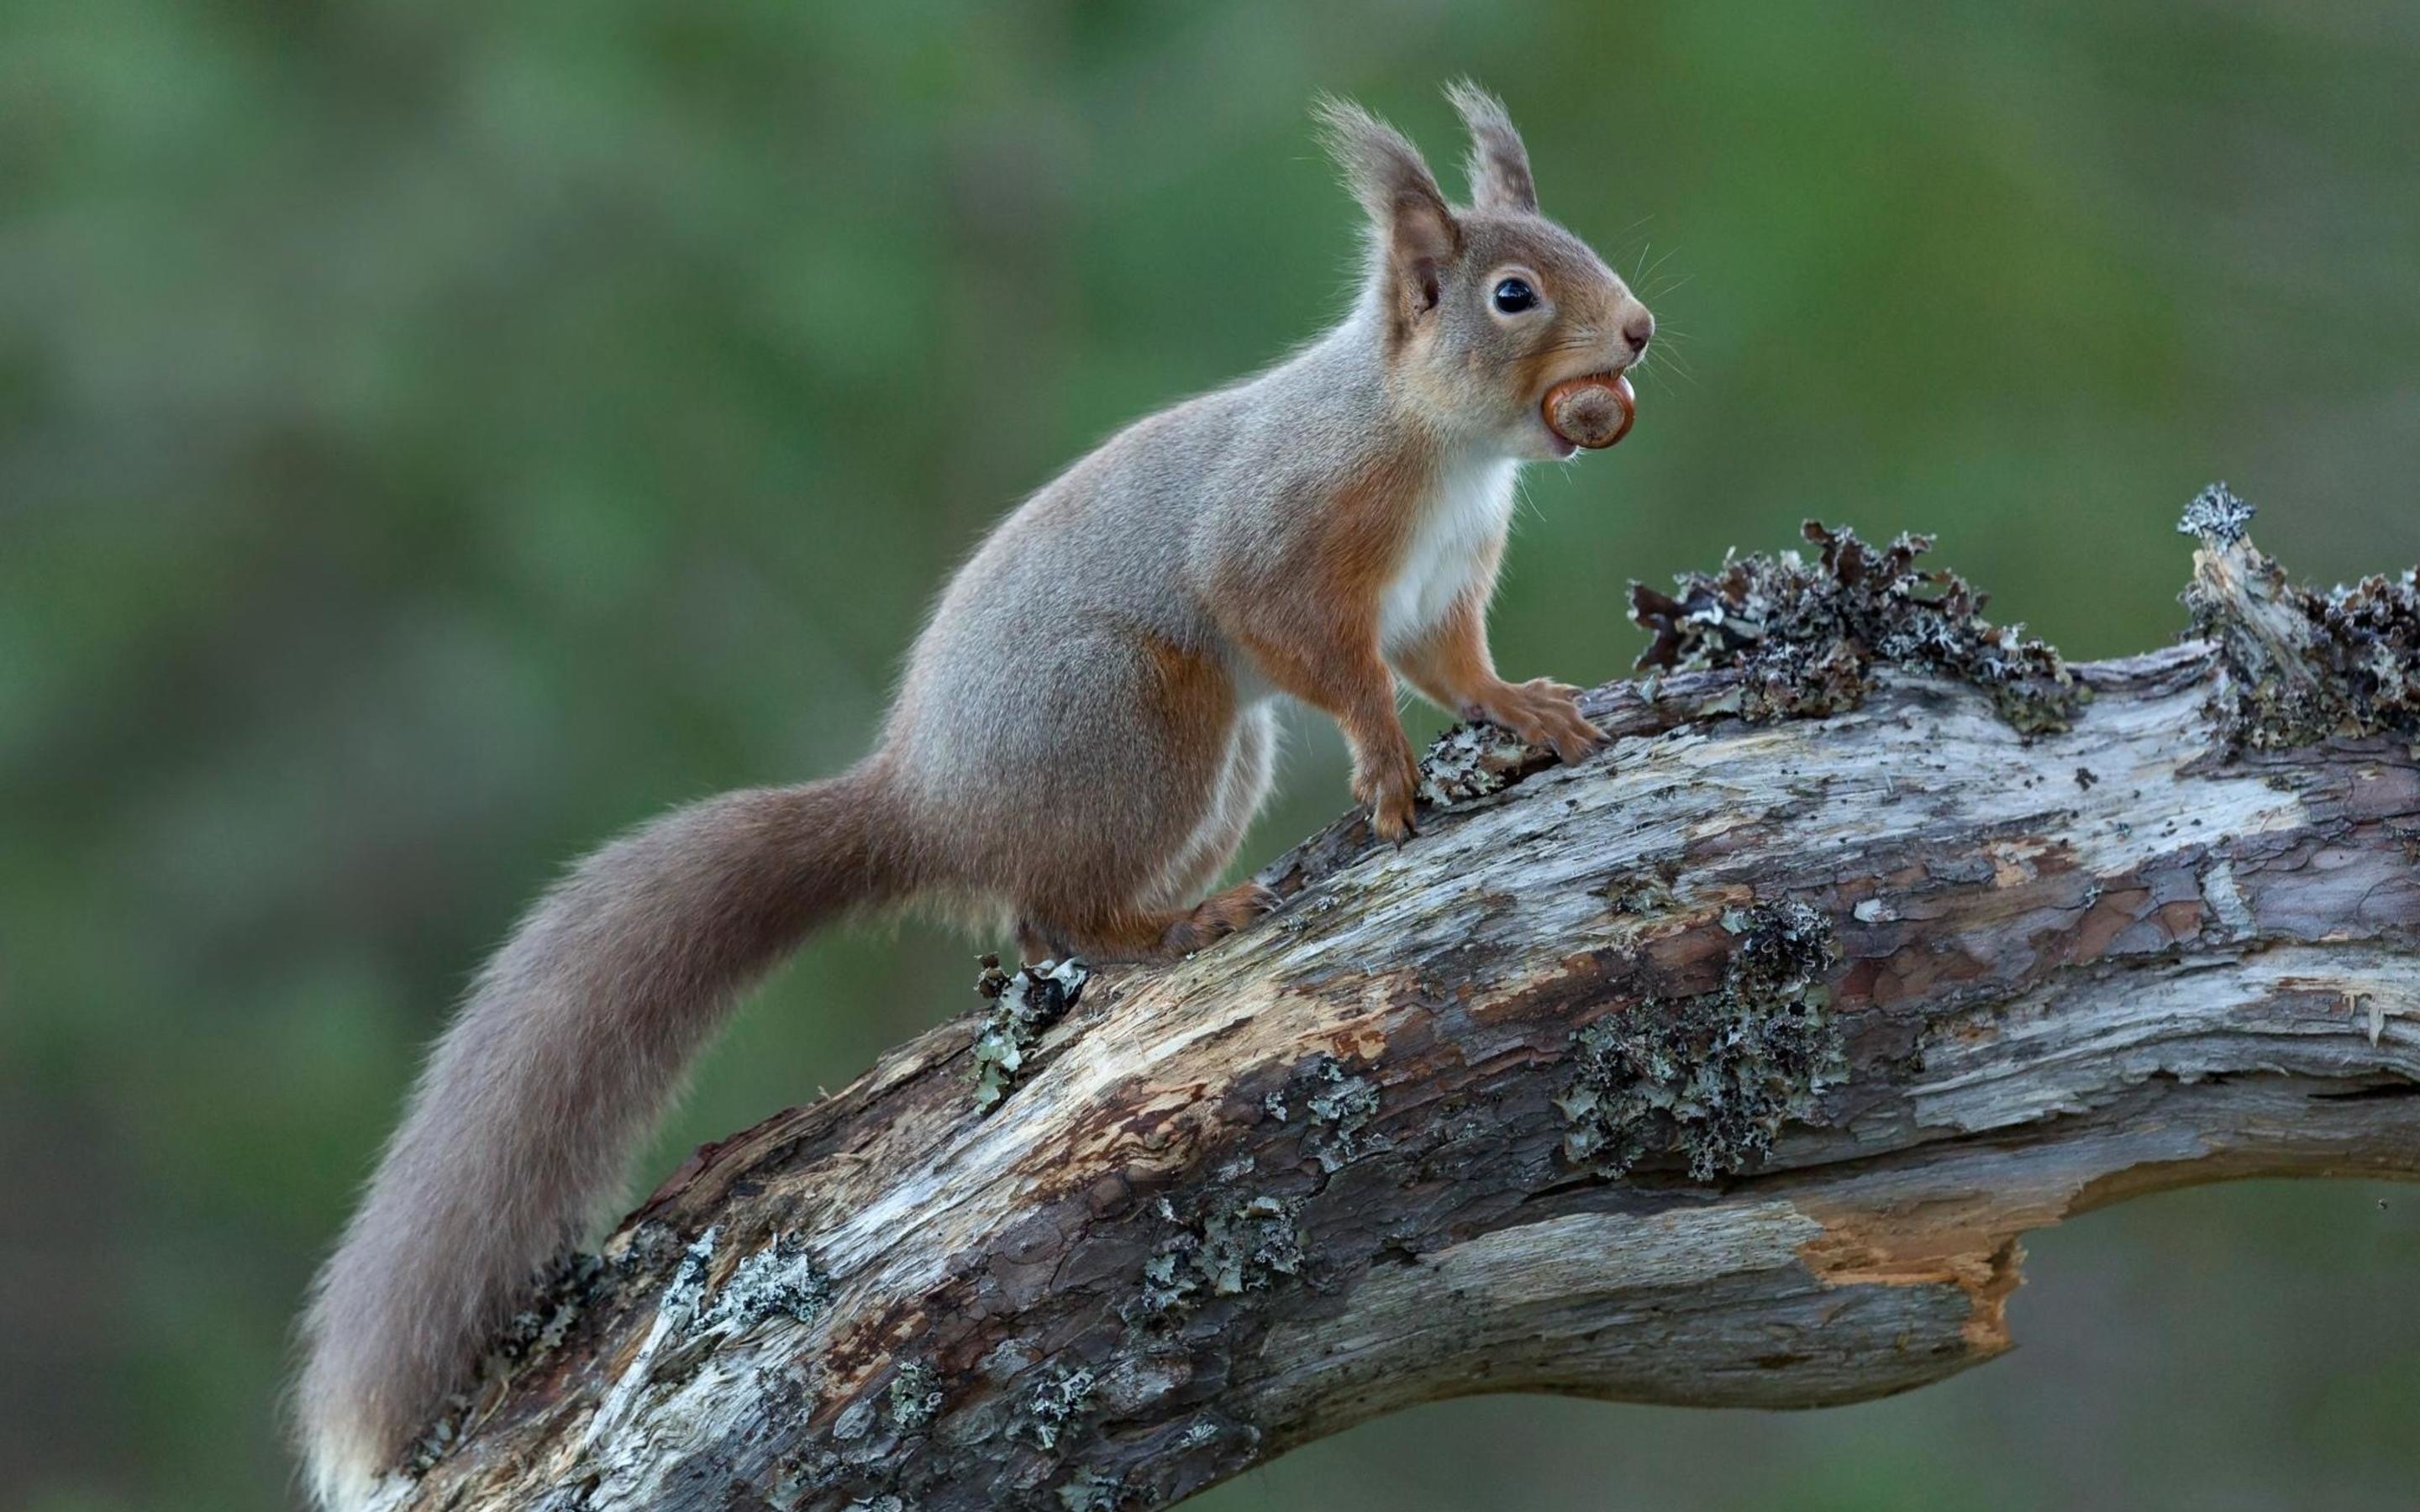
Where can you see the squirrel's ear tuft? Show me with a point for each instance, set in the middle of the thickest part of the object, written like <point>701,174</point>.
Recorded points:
<point>1413,228</point>
<point>1498,165</point>
<point>1381,166</point>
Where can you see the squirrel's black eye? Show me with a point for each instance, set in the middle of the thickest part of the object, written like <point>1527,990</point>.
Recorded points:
<point>1514,294</point>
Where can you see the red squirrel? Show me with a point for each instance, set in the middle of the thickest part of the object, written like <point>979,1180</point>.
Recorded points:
<point>1083,733</point>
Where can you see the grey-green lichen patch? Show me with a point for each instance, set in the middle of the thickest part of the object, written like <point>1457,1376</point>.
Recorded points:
<point>782,1280</point>
<point>1807,636</point>
<point>1055,1408</point>
<point>1713,1078</point>
<point>915,1397</point>
<point>1091,1491</point>
<point>1340,1107</point>
<point>2301,666</point>
<point>1471,761</point>
<point>1238,1243</point>
<point>1024,1004</point>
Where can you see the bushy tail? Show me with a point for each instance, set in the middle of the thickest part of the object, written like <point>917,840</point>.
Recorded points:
<point>569,1045</point>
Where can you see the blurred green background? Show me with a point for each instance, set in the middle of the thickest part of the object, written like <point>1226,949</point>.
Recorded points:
<point>434,436</point>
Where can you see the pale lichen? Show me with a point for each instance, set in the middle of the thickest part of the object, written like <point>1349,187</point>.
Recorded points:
<point>1715,1076</point>
<point>1472,760</point>
<point>1807,636</point>
<point>2216,515</point>
<point>1024,1004</point>
<point>782,1280</point>
<point>682,1301</point>
<point>1055,1408</point>
<point>1237,1245</point>
<point>1091,1491</point>
<point>1340,1107</point>
<point>915,1397</point>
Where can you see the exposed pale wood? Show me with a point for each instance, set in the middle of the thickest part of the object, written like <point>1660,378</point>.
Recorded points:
<point>1322,1171</point>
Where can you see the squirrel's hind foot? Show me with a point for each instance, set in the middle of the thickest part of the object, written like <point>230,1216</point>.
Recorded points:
<point>1150,935</point>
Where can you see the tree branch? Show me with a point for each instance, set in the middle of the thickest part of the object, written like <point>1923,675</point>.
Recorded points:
<point>1725,1069</point>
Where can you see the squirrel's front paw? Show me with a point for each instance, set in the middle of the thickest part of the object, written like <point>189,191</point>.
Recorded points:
<point>1542,712</point>
<point>1389,792</point>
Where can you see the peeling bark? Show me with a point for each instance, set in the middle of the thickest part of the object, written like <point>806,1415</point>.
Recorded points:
<point>1727,1068</point>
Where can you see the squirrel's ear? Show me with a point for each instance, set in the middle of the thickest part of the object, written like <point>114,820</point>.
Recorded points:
<point>1413,229</point>
<point>1498,165</point>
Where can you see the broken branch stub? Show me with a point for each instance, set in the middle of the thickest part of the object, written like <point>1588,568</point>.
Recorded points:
<point>1726,1067</point>
<point>2300,666</point>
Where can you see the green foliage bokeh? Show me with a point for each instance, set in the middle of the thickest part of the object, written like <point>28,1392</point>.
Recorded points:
<point>434,437</point>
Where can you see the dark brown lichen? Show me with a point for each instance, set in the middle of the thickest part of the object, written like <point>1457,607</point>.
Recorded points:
<point>2301,666</point>
<point>1713,1078</point>
<point>1807,636</point>
<point>1024,1004</point>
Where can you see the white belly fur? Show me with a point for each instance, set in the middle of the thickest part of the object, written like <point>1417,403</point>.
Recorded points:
<point>1468,512</point>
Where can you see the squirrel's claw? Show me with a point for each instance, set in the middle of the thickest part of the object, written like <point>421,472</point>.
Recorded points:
<point>1544,713</point>
<point>1391,797</point>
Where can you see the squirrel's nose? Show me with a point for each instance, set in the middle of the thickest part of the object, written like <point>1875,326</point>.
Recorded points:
<point>1640,329</point>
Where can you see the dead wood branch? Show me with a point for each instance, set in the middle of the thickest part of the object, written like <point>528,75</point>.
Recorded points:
<point>1727,1068</point>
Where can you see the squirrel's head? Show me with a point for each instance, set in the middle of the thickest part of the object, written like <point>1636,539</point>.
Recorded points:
<point>1486,306</point>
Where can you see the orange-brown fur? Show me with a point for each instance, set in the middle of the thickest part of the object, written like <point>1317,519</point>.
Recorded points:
<point>1319,640</point>
<point>1453,669</point>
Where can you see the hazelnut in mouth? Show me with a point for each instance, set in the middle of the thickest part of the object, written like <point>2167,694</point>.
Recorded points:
<point>1593,411</point>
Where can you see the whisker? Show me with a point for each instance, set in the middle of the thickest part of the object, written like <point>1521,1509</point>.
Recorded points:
<point>1615,240</point>
<point>1660,360</point>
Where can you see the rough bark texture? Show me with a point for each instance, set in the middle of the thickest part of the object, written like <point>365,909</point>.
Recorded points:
<point>1727,1068</point>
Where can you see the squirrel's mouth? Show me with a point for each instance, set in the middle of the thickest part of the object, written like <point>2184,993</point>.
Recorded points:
<point>1593,411</point>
